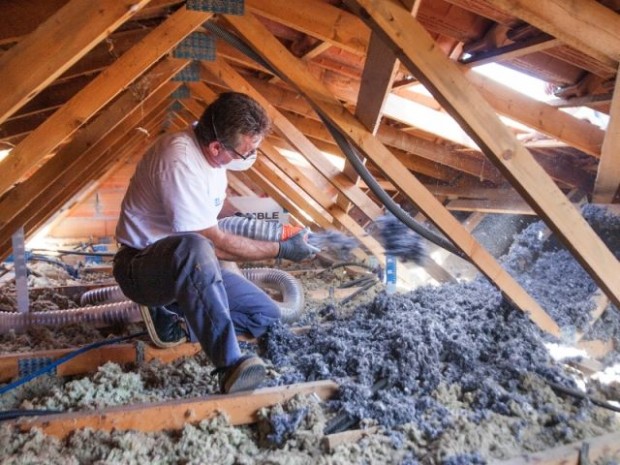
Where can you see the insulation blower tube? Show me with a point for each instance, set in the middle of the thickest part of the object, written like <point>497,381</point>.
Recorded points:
<point>113,307</point>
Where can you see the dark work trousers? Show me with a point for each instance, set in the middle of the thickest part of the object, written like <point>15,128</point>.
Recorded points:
<point>182,273</point>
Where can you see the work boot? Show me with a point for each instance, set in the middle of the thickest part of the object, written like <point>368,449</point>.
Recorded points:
<point>163,326</point>
<point>243,375</point>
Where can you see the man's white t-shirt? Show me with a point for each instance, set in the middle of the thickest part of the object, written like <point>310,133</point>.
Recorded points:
<point>173,190</point>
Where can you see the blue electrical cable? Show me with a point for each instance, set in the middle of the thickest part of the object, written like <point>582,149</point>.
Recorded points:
<point>63,359</point>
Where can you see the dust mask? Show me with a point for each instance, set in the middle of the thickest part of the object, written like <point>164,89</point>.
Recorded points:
<point>240,165</point>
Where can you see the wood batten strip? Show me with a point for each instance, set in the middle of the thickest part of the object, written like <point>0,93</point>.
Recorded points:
<point>598,447</point>
<point>540,116</point>
<point>20,196</point>
<point>63,39</point>
<point>240,409</point>
<point>83,106</point>
<point>417,50</point>
<point>249,28</point>
<point>585,25</point>
<point>82,169</point>
<point>88,362</point>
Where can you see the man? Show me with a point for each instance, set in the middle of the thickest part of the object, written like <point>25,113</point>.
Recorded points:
<point>171,243</point>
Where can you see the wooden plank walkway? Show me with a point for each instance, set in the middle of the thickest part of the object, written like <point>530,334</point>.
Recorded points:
<point>240,408</point>
<point>606,446</point>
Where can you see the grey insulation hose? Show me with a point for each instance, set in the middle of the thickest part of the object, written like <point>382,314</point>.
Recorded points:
<point>348,150</point>
<point>292,293</point>
<point>100,315</point>
<point>103,294</point>
<point>289,287</point>
<point>251,228</point>
<point>126,311</point>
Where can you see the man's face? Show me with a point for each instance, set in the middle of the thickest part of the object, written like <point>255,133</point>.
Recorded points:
<point>219,154</point>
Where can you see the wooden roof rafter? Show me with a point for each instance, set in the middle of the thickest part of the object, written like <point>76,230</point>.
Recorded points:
<point>608,174</point>
<point>63,123</point>
<point>571,130</point>
<point>413,46</point>
<point>20,196</point>
<point>101,19</point>
<point>82,170</point>
<point>261,40</point>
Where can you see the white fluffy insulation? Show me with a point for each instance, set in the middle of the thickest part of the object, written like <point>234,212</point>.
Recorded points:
<point>452,374</point>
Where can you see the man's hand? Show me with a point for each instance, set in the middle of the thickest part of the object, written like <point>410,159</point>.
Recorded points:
<point>297,248</point>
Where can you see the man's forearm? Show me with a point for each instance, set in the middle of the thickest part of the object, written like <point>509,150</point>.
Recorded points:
<point>232,247</point>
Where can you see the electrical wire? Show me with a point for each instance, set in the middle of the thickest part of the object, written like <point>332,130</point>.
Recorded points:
<point>48,368</point>
<point>13,414</point>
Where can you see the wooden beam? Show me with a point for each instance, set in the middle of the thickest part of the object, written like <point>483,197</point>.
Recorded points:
<point>315,130</point>
<point>331,24</point>
<point>132,144</point>
<point>539,116</point>
<point>599,447</point>
<point>22,18</point>
<point>136,353</point>
<point>240,409</point>
<point>474,165</point>
<point>601,302</point>
<point>296,73</point>
<point>586,25</point>
<point>608,173</point>
<point>23,194</point>
<point>289,198</point>
<point>77,172</point>
<point>340,217</point>
<point>22,71</point>
<point>297,204</point>
<point>331,441</point>
<point>324,16</point>
<point>416,49</point>
<point>62,124</point>
<point>52,202</point>
<point>375,85</point>
<point>513,207</point>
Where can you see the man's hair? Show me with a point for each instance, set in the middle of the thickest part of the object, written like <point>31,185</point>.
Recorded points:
<point>234,115</point>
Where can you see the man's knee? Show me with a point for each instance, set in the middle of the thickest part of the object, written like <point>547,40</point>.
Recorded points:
<point>194,247</point>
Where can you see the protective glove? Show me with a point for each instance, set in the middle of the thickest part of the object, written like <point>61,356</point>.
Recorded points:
<point>297,248</point>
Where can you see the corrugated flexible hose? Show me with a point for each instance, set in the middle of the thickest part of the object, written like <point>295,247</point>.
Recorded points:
<point>115,308</point>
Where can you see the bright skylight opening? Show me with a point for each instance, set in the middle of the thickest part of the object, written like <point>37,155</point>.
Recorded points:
<point>535,88</point>
<point>4,153</point>
<point>520,82</point>
<point>529,86</point>
<point>298,160</point>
